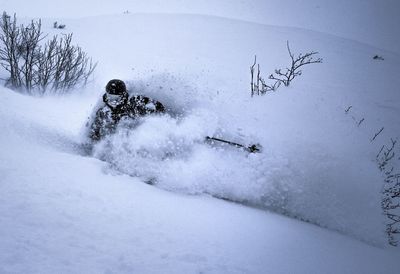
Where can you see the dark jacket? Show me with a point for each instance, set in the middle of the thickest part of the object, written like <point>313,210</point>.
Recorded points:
<point>107,118</point>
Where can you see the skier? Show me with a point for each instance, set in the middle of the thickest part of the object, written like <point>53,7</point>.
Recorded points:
<point>117,106</point>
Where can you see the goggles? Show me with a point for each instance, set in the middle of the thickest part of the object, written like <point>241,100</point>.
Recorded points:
<point>114,100</point>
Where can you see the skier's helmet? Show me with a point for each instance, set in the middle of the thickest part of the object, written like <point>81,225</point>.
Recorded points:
<point>116,95</point>
<point>116,87</point>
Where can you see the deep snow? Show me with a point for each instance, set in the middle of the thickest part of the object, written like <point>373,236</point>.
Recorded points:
<point>374,21</point>
<point>62,212</point>
<point>310,144</point>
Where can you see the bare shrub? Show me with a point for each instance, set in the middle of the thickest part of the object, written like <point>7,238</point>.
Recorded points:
<point>388,163</point>
<point>390,204</point>
<point>57,66</point>
<point>287,75</point>
<point>258,84</point>
<point>281,76</point>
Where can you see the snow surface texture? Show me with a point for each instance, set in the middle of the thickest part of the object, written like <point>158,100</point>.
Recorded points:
<point>310,174</point>
<point>62,212</point>
<point>374,21</point>
<point>310,144</point>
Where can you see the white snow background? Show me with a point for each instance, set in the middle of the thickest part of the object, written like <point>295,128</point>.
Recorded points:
<point>61,212</point>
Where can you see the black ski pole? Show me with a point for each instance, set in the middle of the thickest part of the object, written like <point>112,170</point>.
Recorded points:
<point>252,148</point>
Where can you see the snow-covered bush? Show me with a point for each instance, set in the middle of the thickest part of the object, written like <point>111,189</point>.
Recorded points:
<point>56,66</point>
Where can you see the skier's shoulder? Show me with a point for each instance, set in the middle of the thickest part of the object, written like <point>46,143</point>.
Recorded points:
<point>145,103</point>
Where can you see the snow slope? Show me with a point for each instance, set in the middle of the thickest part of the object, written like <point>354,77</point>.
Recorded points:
<point>374,21</point>
<point>62,212</point>
<point>309,142</point>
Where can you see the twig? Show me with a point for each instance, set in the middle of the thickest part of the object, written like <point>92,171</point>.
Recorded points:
<point>252,76</point>
<point>348,109</point>
<point>380,151</point>
<point>360,122</point>
<point>376,134</point>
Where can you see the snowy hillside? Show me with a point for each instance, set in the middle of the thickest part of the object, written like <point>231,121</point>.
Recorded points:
<point>309,203</point>
<point>62,212</point>
<point>373,22</point>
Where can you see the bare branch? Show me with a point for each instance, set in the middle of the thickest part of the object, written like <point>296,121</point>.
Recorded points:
<point>252,76</point>
<point>57,66</point>
<point>281,76</point>
<point>360,122</point>
<point>285,77</point>
<point>377,134</point>
<point>348,109</point>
